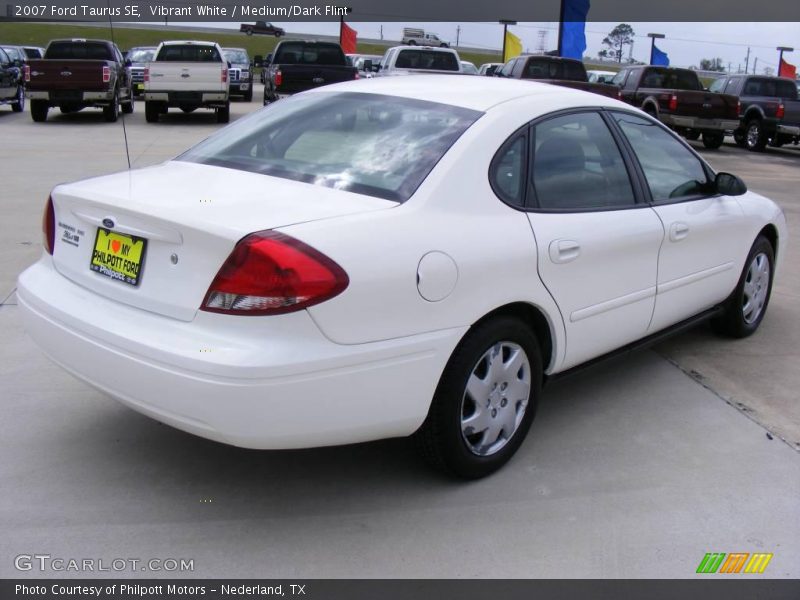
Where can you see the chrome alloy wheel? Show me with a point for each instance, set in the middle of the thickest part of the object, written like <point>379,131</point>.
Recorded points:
<point>495,398</point>
<point>756,288</point>
<point>753,134</point>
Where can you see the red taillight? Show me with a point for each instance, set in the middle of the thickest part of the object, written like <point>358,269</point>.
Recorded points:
<point>224,75</point>
<point>49,226</point>
<point>781,112</point>
<point>106,74</point>
<point>356,76</point>
<point>146,76</point>
<point>278,78</point>
<point>673,103</point>
<point>269,273</point>
<point>27,73</point>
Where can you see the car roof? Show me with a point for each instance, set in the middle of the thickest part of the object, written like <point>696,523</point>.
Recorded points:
<point>476,93</point>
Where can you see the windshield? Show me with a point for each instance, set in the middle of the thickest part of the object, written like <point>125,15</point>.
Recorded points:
<point>381,146</point>
<point>236,56</point>
<point>141,55</point>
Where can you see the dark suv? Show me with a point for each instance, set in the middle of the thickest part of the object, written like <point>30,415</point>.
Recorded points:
<point>12,91</point>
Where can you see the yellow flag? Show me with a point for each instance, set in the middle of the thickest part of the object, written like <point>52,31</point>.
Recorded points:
<point>513,46</point>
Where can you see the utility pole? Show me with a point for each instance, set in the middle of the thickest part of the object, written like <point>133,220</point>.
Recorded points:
<point>755,65</point>
<point>729,66</point>
<point>653,37</point>
<point>747,61</point>
<point>381,32</point>
<point>458,34</point>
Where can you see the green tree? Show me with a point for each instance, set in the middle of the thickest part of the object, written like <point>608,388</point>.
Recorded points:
<point>620,36</point>
<point>712,64</point>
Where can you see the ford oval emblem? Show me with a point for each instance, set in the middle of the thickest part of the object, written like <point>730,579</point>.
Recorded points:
<point>108,223</point>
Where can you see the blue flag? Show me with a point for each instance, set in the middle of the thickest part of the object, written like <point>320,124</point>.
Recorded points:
<point>660,58</point>
<point>573,28</point>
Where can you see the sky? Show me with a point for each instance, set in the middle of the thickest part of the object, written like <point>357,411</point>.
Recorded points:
<point>686,43</point>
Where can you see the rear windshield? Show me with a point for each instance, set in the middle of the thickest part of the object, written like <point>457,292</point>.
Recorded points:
<point>427,60</point>
<point>79,51</point>
<point>141,55</point>
<point>189,53</point>
<point>775,88</point>
<point>381,146</point>
<point>300,53</point>
<point>671,79</point>
<point>554,69</point>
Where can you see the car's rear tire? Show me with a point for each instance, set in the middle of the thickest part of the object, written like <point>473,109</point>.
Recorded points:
<point>755,137</point>
<point>739,138</point>
<point>111,112</point>
<point>692,134</point>
<point>713,140</point>
<point>412,43</point>
<point>224,113</point>
<point>19,104</point>
<point>151,112</point>
<point>127,107</point>
<point>39,110</point>
<point>475,424</point>
<point>747,305</point>
<point>248,95</point>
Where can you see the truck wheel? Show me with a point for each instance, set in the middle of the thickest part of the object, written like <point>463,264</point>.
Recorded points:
<point>692,134</point>
<point>755,138</point>
<point>39,110</point>
<point>739,138</point>
<point>111,112</point>
<point>151,112</point>
<point>713,139</point>
<point>224,114</point>
<point>249,32</point>
<point>485,401</point>
<point>412,43</point>
<point>19,103</point>
<point>127,107</point>
<point>248,95</point>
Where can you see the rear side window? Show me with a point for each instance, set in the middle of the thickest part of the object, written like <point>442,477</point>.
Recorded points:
<point>79,51</point>
<point>672,170</point>
<point>427,60</point>
<point>718,85</point>
<point>578,166</point>
<point>508,171</point>
<point>773,88</point>
<point>382,146</point>
<point>672,79</point>
<point>188,53</point>
<point>300,53</point>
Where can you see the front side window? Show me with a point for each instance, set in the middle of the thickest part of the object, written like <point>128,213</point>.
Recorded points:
<point>577,165</point>
<point>672,170</point>
<point>382,146</point>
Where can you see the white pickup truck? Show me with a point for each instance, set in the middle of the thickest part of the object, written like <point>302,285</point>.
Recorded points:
<point>186,75</point>
<point>405,60</point>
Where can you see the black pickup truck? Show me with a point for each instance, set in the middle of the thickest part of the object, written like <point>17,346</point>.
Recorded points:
<point>677,98</point>
<point>770,110</point>
<point>12,90</point>
<point>261,28</point>
<point>566,72</point>
<point>297,66</point>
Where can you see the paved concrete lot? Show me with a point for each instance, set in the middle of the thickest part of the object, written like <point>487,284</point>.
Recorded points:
<point>636,468</point>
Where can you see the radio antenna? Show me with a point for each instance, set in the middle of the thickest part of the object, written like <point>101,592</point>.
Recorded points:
<point>122,114</point>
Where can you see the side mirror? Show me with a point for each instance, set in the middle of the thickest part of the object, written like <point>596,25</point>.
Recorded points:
<point>228,63</point>
<point>367,64</point>
<point>729,185</point>
<point>128,62</point>
<point>268,60</point>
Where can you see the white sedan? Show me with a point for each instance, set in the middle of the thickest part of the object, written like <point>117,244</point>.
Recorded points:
<point>390,257</point>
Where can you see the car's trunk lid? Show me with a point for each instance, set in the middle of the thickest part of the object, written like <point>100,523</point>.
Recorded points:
<point>189,215</point>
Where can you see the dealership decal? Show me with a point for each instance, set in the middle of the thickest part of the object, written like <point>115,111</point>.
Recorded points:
<point>71,235</point>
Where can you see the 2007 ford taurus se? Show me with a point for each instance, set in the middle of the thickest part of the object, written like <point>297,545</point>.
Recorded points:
<point>395,256</point>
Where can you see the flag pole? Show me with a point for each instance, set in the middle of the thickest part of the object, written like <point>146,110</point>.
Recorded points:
<point>562,13</point>
<point>653,37</point>
<point>506,23</point>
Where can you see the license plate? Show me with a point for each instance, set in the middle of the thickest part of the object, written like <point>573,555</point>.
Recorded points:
<point>118,256</point>
<point>139,86</point>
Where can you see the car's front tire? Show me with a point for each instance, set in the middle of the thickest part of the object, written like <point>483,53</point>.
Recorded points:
<point>747,305</point>
<point>485,401</point>
<point>39,110</point>
<point>19,104</point>
<point>713,140</point>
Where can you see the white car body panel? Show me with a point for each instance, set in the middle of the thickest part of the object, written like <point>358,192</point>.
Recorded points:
<point>363,365</point>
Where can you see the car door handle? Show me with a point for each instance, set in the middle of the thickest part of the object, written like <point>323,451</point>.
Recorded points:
<point>564,251</point>
<point>678,231</point>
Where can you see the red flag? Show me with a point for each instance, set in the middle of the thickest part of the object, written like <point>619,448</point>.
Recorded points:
<point>787,70</point>
<point>347,38</point>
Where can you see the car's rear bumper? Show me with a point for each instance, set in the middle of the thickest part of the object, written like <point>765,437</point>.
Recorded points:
<point>793,130</point>
<point>700,123</point>
<point>256,382</point>
<point>79,97</point>
<point>198,98</point>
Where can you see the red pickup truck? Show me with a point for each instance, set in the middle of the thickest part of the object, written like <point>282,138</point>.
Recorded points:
<point>566,72</point>
<point>76,74</point>
<point>677,98</point>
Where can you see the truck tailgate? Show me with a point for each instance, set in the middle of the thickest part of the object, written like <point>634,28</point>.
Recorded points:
<point>703,104</point>
<point>179,76</point>
<point>297,78</point>
<point>56,74</point>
